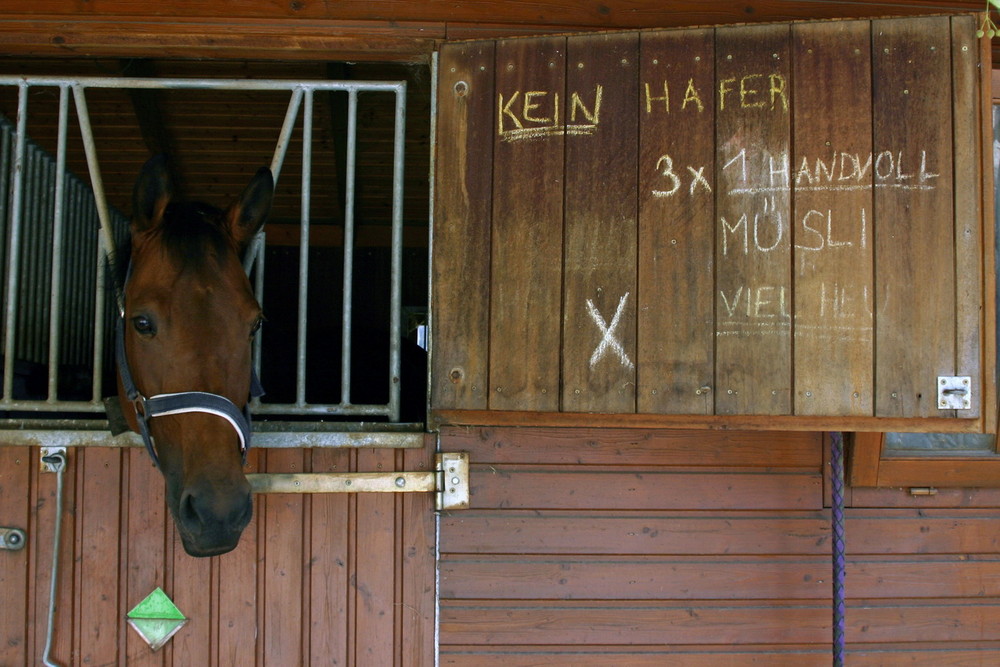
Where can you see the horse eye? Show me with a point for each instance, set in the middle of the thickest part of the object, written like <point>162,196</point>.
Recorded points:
<point>256,326</point>
<point>143,325</point>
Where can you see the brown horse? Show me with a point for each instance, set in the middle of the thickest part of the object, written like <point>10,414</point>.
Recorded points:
<point>184,342</point>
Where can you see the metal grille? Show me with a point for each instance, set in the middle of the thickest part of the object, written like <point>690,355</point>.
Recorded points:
<point>56,300</point>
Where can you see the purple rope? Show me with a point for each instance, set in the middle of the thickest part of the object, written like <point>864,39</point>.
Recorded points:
<point>839,560</point>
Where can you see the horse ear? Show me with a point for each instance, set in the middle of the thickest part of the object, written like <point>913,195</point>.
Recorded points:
<point>153,191</point>
<point>247,214</point>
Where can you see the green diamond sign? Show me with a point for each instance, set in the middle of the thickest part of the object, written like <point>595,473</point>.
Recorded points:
<point>156,619</point>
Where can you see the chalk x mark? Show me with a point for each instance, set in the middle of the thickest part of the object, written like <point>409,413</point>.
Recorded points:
<point>608,340</point>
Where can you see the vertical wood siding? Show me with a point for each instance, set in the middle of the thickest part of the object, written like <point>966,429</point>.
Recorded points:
<point>317,580</point>
<point>629,547</point>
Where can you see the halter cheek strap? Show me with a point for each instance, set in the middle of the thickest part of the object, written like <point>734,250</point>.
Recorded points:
<point>182,402</point>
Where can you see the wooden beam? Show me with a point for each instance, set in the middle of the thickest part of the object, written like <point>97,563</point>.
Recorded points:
<point>439,418</point>
<point>259,39</point>
<point>356,30</point>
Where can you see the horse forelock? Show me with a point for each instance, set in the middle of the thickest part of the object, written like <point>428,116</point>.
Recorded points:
<point>191,232</point>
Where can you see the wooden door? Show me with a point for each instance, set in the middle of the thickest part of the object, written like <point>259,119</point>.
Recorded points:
<point>326,579</point>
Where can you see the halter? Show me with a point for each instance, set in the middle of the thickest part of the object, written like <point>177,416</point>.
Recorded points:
<point>181,402</point>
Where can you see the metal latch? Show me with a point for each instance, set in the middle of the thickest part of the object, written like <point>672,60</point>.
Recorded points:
<point>449,481</point>
<point>12,539</point>
<point>954,392</point>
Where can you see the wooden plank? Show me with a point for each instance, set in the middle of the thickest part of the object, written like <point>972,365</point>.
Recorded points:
<point>706,422</point>
<point>865,454</point>
<point>899,532</point>
<point>375,582</point>
<point>331,563</point>
<point>192,588</point>
<point>526,268</point>
<point>641,489</point>
<point>283,576</point>
<point>633,656</point>
<point>99,615</point>
<point>753,241</point>
<point>15,473</point>
<point>676,221</point>
<point>599,274</point>
<point>944,498</point>
<point>418,567</point>
<point>972,312</point>
<point>937,654</point>
<point>731,622</point>
<point>143,545</point>
<point>554,13</point>
<point>914,214</point>
<point>512,577</point>
<point>831,230</point>
<point>955,472</point>
<point>463,160</point>
<point>613,446</point>
<point>238,597</point>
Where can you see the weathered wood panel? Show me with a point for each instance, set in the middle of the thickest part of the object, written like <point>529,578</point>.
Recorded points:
<point>463,186</point>
<point>753,249</point>
<point>914,237</point>
<point>527,242</point>
<point>339,581</point>
<point>832,219</point>
<point>599,285</point>
<point>973,303</point>
<point>786,235</point>
<point>676,222</point>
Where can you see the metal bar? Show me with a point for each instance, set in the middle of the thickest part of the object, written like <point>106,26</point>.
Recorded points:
<point>14,244</point>
<point>90,433</point>
<point>55,286</point>
<point>284,137</point>
<point>300,345</point>
<point>57,461</point>
<point>395,314</point>
<point>100,318</point>
<point>352,482</point>
<point>348,277</point>
<point>107,233</point>
<point>198,84</point>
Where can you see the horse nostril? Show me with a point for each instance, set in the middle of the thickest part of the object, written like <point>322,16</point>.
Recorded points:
<point>187,511</point>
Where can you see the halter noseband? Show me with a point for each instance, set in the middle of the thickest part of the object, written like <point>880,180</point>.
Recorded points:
<point>181,402</point>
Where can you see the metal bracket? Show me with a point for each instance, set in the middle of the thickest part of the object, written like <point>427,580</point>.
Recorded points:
<point>453,481</point>
<point>954,392</point>
<point>12,539</point>
<point>53,459</point>
<point>449,481</point>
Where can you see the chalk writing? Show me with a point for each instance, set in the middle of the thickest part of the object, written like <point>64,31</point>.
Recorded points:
<point>609,342</point>
<point>692,98</point>
<point>535,114</point>
<point>836,311</point>
<point>761,171</point>
<point>761,91</point>
<point>753,91</point>
<point>815,230</point>
<point>665,166</point>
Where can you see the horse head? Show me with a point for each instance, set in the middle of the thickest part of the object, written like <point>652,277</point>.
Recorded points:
<point>189,319</point>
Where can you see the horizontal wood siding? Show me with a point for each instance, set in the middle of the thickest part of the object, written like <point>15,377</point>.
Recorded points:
<point>330,579</point>
<point>646,547</point>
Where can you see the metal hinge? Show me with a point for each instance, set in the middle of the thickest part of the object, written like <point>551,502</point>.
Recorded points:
<point>449,481</point>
